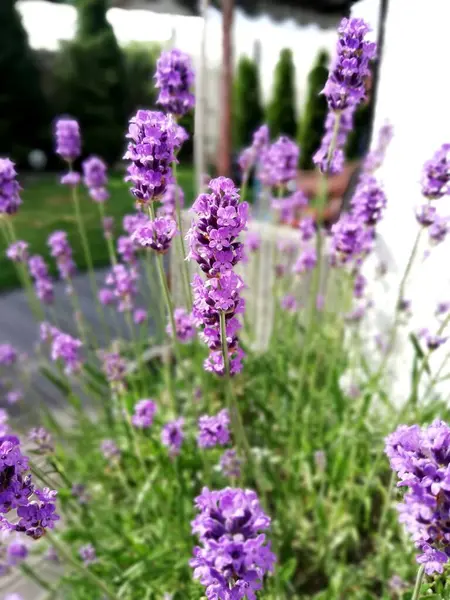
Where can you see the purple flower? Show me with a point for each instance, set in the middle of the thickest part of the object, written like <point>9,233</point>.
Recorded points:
<point>250,155</point>
<point>151,151</point>
<point>230,464</point>
<point>289,303</point>
<point>106,296</point>
<point>253,241</point>
<point>184,326</point>
<point>108,227</point>
<point>127,248</point>
<point>330,157</point>
<point>68,140</point>
<point>42,438</point>
<point>110,450</point>
<point>438,230</point>
<point>79,492</point>
<point>14,396</point>
<point>60,249</point>
<point>426,215</point>
<point>307,228</point>
<point>42,281</point>
<point>114,368</point>
<point>156,234</point>
<point>95,178</point>
<point>122,281</point>
<point>71,178</point>
<point>436,174</point>
<point>214,246</point>
<point>279,162</point>
<point>174,194</point>
<point>144,411</point>
<point>13,596</point>
<point>18,252</point>
<point>288,208</point>
<point>442,308</point>
<point>9,188</point>
<point>66,348</point>
<point>349,238</point>
<point>369,201</point>
<point>172,436</point>
<point>234,555</point>
<point>359,285</point>
<point>88,555</point>
<point>17,551</point>
<point>36,517</point>
<point>8,355</point>
<point>306,261</point>
<point>346,81</point>
<point>421,457</point>
<point>140,315</point>
<point>375,158</point>
<point>175,78</point>
<point>214,431</point>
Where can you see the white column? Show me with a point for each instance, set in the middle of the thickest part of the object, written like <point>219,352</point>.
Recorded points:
<point>200,103</point>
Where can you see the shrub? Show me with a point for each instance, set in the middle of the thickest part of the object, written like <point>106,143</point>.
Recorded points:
<point>281,115</point>
<point>248,111</point>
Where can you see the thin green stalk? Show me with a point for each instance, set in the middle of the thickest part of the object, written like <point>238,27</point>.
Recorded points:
<point>244,187</point>
<point>85,572</point>
<point>418,585</point>
<point>31,574</point>
<point>109,242</point>
<point>184,265</point>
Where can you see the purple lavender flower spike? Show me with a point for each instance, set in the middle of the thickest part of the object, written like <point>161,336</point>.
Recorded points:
<point>156,234</point>
<point>306,261</point>
<point>88,555</point>
<point>144,412</point>
<point>307,229</point>
<point>426,215</point>
<point>214,246</point>
<point>14,396</point>
<point>369,201</point>
<point>114,367</point>
<point>184,326</point>
<point>438,230</point>
<point>17,552</point>
<point>72,179</point>
<point>18,252</point>
<point>42,281</point>
<point>68,139</point>
<point>349,239</point>
<point>9,188</point>
<point>122,281</point>
<point>127,248</point>
<point>174,79</point>
<point>330,157</point>
<point>230,464</point>
<point>288,208</point>
<point>66,348</point>
<point>249,156</point>
<point>172,436</point>
<point>173,194</point>
<point>42,439</point>
<point>359,285</point>
<point>140,315</point>
<point>421,458</point>
<point>151,150</point>
<point>279,163</point>
<point>8,355</point>
<point>110,450</point>
<point>253,241</point>
<point>346,81</point>
<point>375,157</point>
<point>289,303</point>
<point>108,227</point>
<point>106,297</point>
<point>214,431</point>
<point>442,308</point>
<point>60,249</point>
<point>234,555</point>
<point>436,174</point>
<point>96,178</point>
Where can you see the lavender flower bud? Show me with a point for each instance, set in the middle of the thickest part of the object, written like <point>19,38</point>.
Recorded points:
<point>175,78</point>
<point>9,188</point>
<point>68,139</point>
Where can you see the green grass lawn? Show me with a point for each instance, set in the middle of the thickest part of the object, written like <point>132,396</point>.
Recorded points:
<point>47,206</point>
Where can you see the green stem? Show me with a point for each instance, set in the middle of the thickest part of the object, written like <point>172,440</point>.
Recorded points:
<point>418,585</point>
<point>31,574</point>
<point>86,573</point>
<point>182,250</point>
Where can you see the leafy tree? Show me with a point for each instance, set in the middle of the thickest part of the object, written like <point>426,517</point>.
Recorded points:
<point>248,111</point>
<point>140,66</point>
<point>22,106</point>
<point>315,112</point>
<point>281,113</point>
<point>91,73</point>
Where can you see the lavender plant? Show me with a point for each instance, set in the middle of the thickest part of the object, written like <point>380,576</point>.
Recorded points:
<point>270,455</point>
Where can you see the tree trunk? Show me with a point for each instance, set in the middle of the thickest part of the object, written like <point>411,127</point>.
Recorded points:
<point>225,136</point>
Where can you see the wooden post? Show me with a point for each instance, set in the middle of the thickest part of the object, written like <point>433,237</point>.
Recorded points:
<point>225,137</point>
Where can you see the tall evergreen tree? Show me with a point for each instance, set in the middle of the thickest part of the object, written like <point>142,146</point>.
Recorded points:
<point>92,77</point>
<point>315,112</point>
<point>248,111</point>
<point>281,113</point>
<point>22,105</point>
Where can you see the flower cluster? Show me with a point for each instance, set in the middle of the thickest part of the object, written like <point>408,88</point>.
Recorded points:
<point>95,178</point>
<point>110,450</point>
<point>42,281</point>
<point>42,440</point>
<point>369,200</point>
<point>346,81</point>
<point>60,249</point>
<point>436,174</point>
<point>68,139</point>
<point>172,436</point>
<point>122,282</point>
<point>144,412</point>
<point>151,150</point>
<point>88,555</point>
<point>234,554</point>
<point>18,251</point>
<point>214,246</point>
<point>63,347</point>
<point>174,78</point>
<point>173,195</point>
<point>114,367</point>
<point>156,234</point>
<point>35,508</point>
<point>184,325</point>
<point>230,464</point>
<point>250,155</point>
<point>214,431</point>
<point>9,188</point>
<point>279,163</point>
<point>421,457</point>
<point>349,239</point>
<point>306,261</point>
<point>8,355</point>
<point>289,208</point>
<point>330,156</point>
